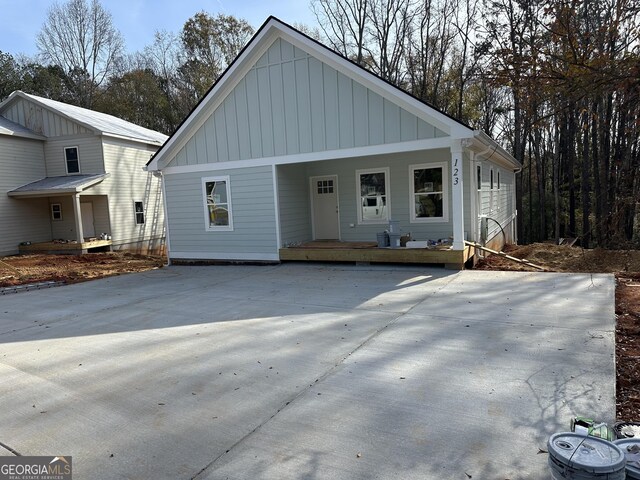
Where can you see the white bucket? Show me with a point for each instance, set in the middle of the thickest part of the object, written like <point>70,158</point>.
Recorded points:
<point>576,457</point>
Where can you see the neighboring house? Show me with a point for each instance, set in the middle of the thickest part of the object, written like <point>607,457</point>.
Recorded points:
<point>296,143</point>
<point>73,180</point>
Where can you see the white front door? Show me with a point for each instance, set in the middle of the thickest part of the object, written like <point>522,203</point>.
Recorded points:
<point>324,200</point>
<point>88,229</point>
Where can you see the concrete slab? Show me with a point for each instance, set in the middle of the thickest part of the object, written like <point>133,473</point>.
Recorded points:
<point>305,371</point>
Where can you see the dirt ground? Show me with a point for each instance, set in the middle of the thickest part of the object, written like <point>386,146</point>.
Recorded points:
<point>625,264</point>
<point>18,270</point>
<point>23,269</point>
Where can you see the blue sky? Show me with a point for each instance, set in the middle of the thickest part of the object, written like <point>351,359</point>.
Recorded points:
<point>137,20</point>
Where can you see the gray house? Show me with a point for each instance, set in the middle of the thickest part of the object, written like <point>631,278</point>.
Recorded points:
<point>296,148</point>
<point>72,180</point>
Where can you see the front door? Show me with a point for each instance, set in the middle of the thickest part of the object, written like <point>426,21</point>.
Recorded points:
<point>88,228</point>
<point>324,199</point>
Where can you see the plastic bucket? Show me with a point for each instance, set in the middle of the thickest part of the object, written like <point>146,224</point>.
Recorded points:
<point>577,457</point>
<point>383,239</point>
<point>631,449</point>
<point>394,240</point>
<point>394,226</point>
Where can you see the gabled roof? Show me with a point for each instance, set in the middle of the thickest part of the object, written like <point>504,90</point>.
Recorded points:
<point>274,28</point>
<point>7,127</point>
<point>100,123</point>
<point>58,185</point>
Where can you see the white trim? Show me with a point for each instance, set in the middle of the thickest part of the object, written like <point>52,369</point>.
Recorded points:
<point>66,161</point>
<point>276,204</point>
<point>167,236</point>
<point>387,195</point>
<point>207,222</point>
<point>415,145</point>
<point>445,193</point>
<point>226,256</point>
<point>311,203</point>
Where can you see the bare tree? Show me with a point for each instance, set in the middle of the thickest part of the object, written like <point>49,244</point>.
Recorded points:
<point>79,36</point>
<point>343,23</point>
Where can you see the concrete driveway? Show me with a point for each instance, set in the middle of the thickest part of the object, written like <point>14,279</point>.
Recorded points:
<point>305,371</point>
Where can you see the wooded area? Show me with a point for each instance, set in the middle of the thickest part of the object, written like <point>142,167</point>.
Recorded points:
<point>557,82</point>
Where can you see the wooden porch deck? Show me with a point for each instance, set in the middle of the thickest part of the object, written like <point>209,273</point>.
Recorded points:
<point>69,248</point>
<point>333,251</point>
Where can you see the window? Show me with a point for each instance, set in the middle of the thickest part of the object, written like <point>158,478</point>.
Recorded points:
<point>325,186</point>
<point>373,195</point>
<point>72,160</point>
<point>428,193</point>
<point>498,179</point>
<point>491,196</point>
<point>138,208</point>
<point>217,202</point>
<point>56,211</point>
<point>479,177</point>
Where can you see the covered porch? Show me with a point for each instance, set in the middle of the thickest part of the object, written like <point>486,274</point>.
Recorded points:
<point>79,221</point>
<point>369,252</point>
<point>58,247</point>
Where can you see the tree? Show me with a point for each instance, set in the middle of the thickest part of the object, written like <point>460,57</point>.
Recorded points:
<point>210,45</point>
<point>9,75</point>
<point>343,23</point>
<point>137,96</point>
<point>80,37</point>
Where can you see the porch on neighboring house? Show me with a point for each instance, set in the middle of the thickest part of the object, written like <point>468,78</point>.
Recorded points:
<point>57,247</point>
<point>369,252</point>
<point>79,221</point>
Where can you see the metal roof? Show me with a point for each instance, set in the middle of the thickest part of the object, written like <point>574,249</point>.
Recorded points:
<point>58,185</point>
<point>7,127</point>
<point>97,121</point>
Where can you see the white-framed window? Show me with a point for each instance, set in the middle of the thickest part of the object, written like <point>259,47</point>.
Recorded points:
<point>498,179</point>
<point>72,160</point>
<point>56,212</point>
<point>138,211</point>
<point>429,201</point>
<point>372,187</point>
<point>217,204</point>
<point>479,177</point>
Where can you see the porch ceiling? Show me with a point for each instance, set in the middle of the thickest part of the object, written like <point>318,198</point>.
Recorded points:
<point>67,185</point>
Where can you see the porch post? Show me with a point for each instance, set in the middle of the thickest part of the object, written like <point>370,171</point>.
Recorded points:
<point>457,195</point>
<point>77,214</point>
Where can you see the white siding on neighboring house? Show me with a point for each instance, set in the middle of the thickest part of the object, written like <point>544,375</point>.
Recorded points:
<point>21,162</point>
<point>253,208</point>
<point>89,154</point>
<point>41,120</point>
<point>126,184</point>
<point>291,103</point>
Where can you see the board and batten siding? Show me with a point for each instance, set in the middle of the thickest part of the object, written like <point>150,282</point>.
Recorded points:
<point>291,103</point>
<point>21,219</point>
<point>89,154</point>
<point>41,120</point>
<point>294,200</point>
<point>253,209</point>
<point>398,195</point>
<point>126,184</point>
